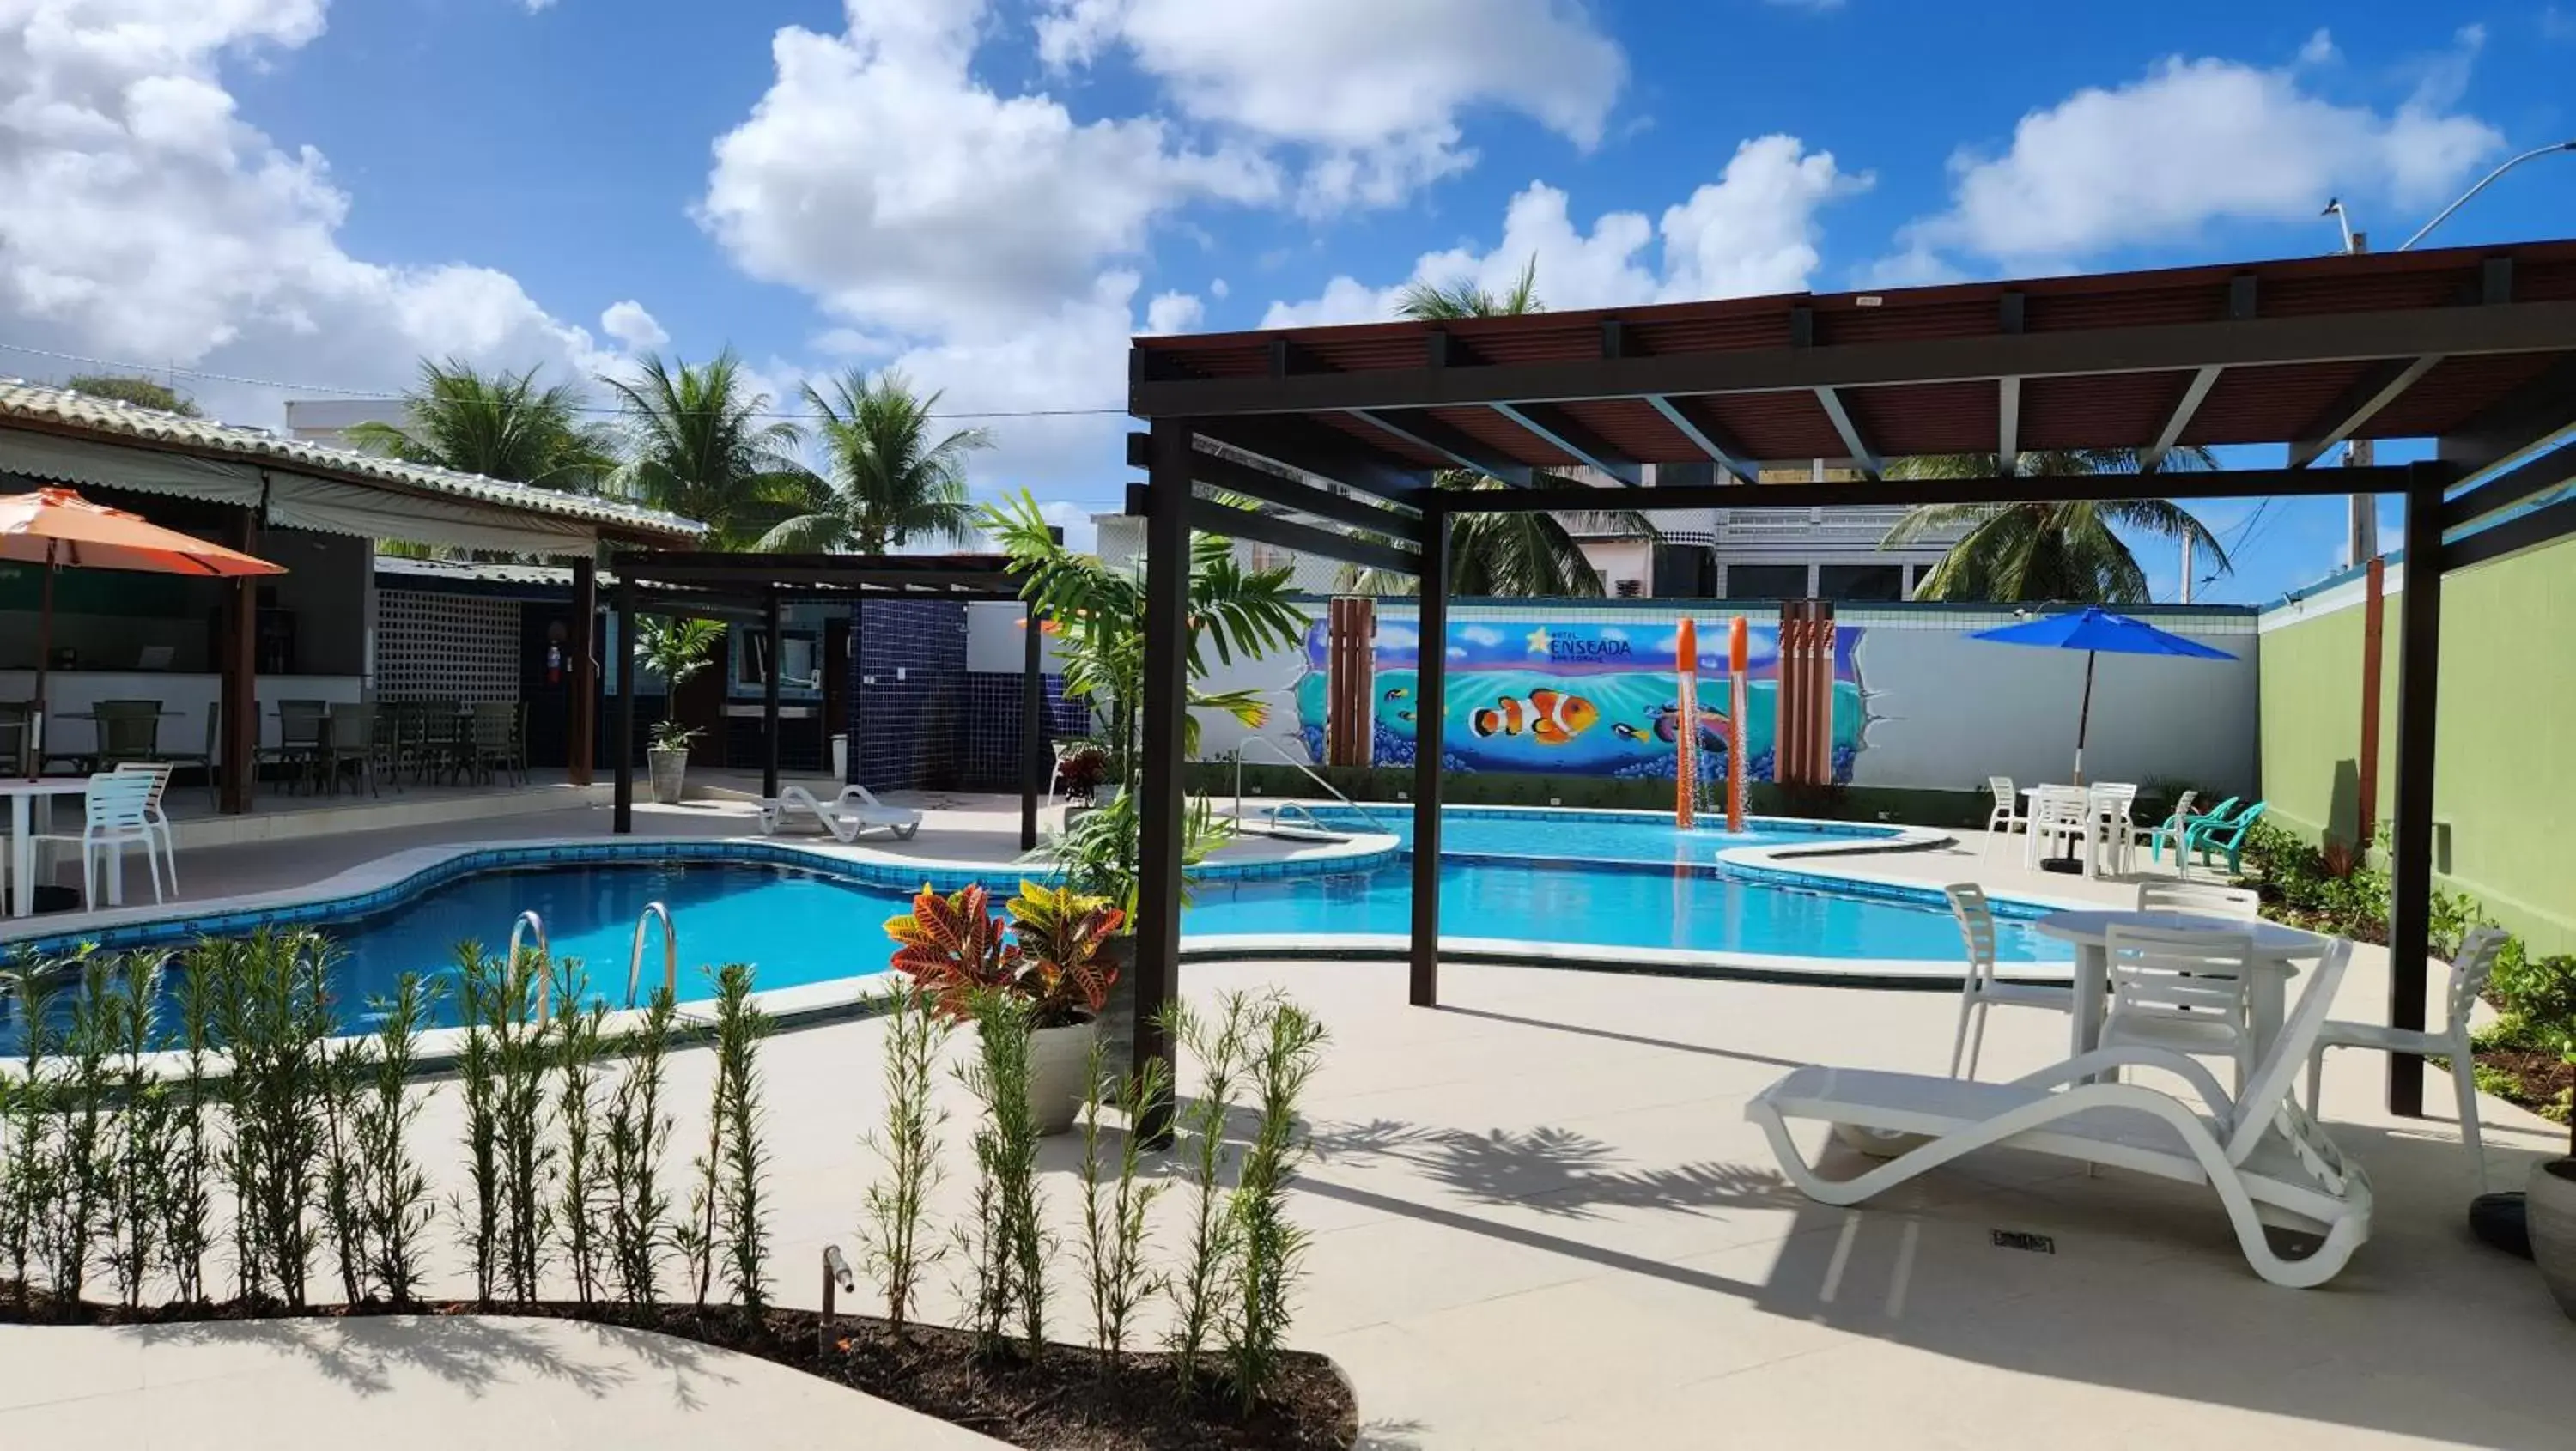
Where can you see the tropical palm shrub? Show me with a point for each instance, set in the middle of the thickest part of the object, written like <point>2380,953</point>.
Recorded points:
<point>893,477</point>
<point>701,443</point>
<point>2064,550</point>
<point>501,425</point>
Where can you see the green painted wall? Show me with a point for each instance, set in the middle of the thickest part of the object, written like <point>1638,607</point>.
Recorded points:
<point>2506,782</point>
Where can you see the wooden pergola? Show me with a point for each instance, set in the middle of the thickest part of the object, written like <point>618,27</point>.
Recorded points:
<point>710,584</point>
<point>1678,406</point>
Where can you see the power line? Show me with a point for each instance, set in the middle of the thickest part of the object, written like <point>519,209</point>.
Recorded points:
<point>377,395</point>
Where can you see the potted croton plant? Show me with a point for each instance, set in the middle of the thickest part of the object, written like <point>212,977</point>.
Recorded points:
<point>954,946</point>
<point>2546,1004</point>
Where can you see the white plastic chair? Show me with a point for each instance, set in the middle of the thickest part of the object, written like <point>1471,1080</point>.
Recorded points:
<point>2169,829</point>
<point>845,815</point>
<point>157,818</point>
<point>2260,1152</point>
<point>2185,992</point>
<point>2111,802</point>
<point>1980,991</point>
<point>113,820</point>
<point>2206,898</point>
<point>2060,814</point>
<point>2469,972</point>
<point>2006,818</point>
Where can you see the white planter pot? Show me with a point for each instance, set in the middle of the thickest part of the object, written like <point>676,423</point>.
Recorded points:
<point>2549,1208</point>
<point>1057,1058</point>
<point>669,770</point>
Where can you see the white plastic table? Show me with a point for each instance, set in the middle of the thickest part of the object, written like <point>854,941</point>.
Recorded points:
<point>2278,951</point>
<point>22,795</point>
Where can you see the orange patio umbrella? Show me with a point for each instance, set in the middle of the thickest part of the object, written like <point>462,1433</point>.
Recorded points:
<point>59,529</point>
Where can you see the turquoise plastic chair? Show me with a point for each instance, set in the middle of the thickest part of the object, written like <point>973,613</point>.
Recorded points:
<point>2226,836</point>
<point>2172,834</point>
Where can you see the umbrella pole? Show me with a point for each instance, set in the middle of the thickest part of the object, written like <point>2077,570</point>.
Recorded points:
<point>2084,718</point>
<point>36,722</point>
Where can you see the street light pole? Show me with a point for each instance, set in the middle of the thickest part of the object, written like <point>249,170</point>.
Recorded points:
<point>2444,214</point>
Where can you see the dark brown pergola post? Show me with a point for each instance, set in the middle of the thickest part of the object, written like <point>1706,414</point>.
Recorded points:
<point>581,721</point>
<point>1035,750</point>
<point>623,820</point>
<point>1430,718</point>
<point>1161,779</point>
<point>2419,674</point>
<point>240,734</point>
<point>769,697</point>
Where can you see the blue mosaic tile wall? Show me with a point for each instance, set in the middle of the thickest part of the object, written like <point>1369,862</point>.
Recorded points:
<point>991,749</point>
<point>910,731</point>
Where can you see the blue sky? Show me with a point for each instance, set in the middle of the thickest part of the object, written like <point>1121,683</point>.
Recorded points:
<point>993,194</point>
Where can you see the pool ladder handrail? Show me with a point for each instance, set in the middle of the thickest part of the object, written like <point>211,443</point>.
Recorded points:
<point>545,958</point>
<point>1285,759</point>
<point>670,952</point>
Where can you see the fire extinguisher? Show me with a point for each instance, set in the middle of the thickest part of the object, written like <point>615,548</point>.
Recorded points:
<point>554,653</point>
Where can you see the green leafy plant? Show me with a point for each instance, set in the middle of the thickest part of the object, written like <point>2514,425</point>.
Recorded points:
<point>1286,1050</point>
<point>578,1047</point>
<point>273,1013</point>
<point>1004,1243</point>
<point>85,1178</point>
<point>396,1204</point>
<point>1061,935</point>
<point>478,1070</point>
<point>138,1204</point>
<point>896,1248</point>
<point>27,1175</point>
<point>676,650</point>
<point>633,1137</point>
<point>528,1156</point>
<point>188,1202</point>
<point>344,1076</point>
<point>1220,1044</point>
<point>1116,1215</point>
<point>743,1167</point>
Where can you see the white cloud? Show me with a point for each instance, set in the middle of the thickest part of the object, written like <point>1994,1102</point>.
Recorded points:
<point>631,325</point>
<point>1217,289</point>
<point>880,176</point>
<point>1372,93</point>
<point>1174,312</point>
<point>2320,49</point>
<point>146,220</point>
<point>2198,141</point>
<point>1753,230</point>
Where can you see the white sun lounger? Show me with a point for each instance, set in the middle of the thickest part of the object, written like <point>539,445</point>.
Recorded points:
<point>845,815</point>
<point>2267,1160</point>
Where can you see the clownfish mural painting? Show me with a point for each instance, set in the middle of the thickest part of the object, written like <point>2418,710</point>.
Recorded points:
<point>1590,698</point>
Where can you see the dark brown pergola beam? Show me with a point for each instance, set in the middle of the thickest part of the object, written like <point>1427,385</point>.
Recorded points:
<point>2520,327</point>
<point>2523,421</point>
<point>2531,476</point>
<point>1863,457</point>
<point>2192,484</point>
<point>1563,433</point>
<point>2360,403</point>
<point>1286,493</point>
<point>1307,449</point>
<point>2545,525</point>
<point>1449,443</point>
<point>2193,394</point>
<point>1207,516</point>
<point>1706,436</point>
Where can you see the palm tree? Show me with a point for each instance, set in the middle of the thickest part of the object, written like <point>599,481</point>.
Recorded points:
<point>2055,551</point>
<point>890,482</point>
<point>699,447</point>
<point>1497,554</point>
<point>500,425</point>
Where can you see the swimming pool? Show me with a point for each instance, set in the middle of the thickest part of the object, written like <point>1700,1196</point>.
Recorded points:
<point>1597,880</point>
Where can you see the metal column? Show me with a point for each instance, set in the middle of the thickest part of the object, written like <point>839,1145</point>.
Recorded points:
<point>769,697</point>
<point>1430,716</point>
<point>1160,779</point>
<point>2419,672</point>
<point>1034,752</point>
<point>240,736</point>
<point>623,819</point>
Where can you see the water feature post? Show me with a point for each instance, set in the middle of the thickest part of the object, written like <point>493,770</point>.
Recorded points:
<point>1739,651</point>
<point>1686,726</point>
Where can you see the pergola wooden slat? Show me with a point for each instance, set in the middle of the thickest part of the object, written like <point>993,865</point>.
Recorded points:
<point>2473,346</point>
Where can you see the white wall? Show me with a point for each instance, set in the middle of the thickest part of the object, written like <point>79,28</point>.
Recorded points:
<point>1947,711</point>
<point>994,643</point>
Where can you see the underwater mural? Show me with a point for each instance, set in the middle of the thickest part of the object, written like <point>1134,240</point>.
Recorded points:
<point>1537,696</point>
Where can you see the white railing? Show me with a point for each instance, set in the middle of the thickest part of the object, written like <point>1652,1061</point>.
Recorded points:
<point>670,952</point>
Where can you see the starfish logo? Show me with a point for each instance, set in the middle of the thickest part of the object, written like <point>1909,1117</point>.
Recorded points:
<point>1539,640</point>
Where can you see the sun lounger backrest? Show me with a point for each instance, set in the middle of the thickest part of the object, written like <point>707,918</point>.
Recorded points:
<point>2258,1105</point>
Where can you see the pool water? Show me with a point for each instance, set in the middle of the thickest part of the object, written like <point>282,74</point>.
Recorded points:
<point>1604,880</point>
<point>1593,836</point>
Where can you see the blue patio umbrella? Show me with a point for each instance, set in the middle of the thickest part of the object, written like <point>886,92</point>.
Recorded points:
<point>2097,631</point>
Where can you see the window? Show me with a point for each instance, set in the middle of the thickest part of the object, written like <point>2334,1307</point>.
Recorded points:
<point>1629,589</point>
<point>1766,581</point>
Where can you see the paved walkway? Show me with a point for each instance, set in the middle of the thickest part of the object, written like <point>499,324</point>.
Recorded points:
<point>435,1384</point>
